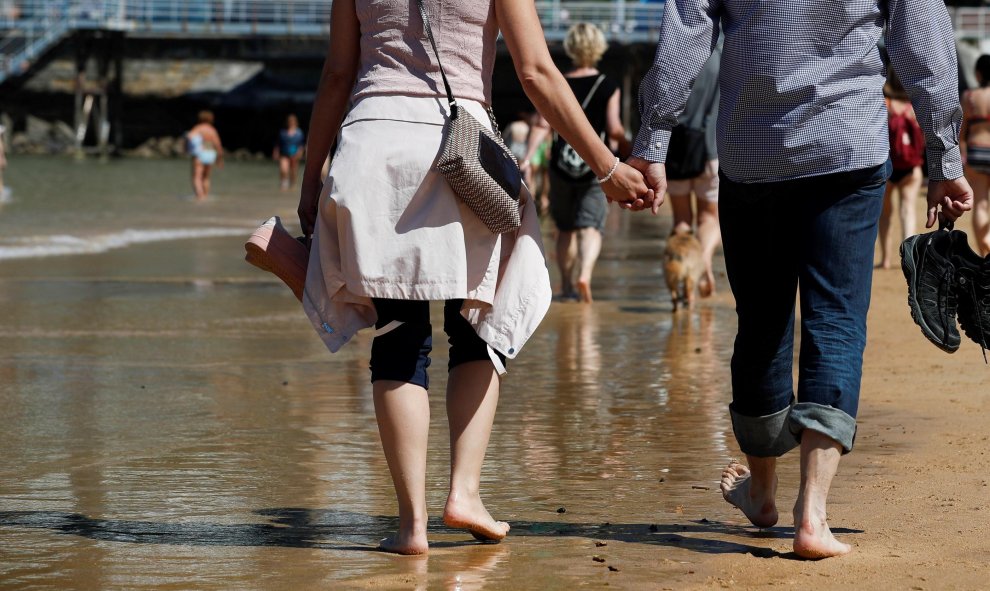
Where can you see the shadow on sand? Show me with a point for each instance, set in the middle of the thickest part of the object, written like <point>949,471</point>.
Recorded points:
<point>345,530</point>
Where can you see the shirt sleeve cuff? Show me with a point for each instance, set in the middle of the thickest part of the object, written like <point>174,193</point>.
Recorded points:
<point>651,144</point>
<point>944,165</point>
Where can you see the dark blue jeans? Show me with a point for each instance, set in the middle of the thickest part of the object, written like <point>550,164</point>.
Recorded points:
<point>812,236</point>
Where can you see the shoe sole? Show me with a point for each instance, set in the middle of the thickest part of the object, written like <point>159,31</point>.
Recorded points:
<point>272,249</point>
<point>910,269</point>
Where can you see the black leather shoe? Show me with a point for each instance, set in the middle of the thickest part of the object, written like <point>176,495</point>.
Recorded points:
<point>931,278</point>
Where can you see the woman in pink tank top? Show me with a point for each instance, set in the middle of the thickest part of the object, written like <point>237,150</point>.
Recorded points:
<point>389,235</point>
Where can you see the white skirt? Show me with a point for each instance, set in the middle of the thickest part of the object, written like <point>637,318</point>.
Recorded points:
<point>390,226</point>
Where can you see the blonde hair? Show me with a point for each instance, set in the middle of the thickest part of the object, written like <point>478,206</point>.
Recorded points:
<point>585,44</point>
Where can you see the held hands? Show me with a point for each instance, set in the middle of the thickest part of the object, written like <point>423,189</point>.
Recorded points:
<point>629,188</point>
<point>655,175</point>
<point>955,197</point>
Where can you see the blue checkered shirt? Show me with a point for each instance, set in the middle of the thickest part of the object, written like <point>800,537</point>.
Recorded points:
<point>802,81</point>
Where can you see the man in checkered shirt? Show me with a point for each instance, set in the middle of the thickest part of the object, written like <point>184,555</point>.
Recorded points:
<point>803,149</point>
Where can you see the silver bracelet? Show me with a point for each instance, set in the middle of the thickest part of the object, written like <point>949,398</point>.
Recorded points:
<point>608,176</point>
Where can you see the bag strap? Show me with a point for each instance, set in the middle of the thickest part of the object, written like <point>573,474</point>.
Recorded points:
<point>587,99</point>
<point>446,85</point>
<point>591,93</point>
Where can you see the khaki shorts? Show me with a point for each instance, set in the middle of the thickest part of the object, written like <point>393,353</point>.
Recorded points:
<point>705,185</point>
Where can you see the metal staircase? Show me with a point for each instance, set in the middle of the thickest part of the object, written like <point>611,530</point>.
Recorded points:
<point>21,45</point>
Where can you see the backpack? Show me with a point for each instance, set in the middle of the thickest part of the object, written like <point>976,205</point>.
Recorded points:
<point>907,142</point>
<point>566,159</point>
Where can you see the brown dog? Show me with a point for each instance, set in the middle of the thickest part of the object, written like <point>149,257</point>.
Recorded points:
<point>683,266</point>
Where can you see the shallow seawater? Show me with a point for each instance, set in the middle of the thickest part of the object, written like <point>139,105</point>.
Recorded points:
<point>171,421</point>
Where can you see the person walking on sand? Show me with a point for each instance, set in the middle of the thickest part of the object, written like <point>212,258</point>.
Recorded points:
<point>803,155</point>
<point>3,163</point>
<point>907,147</point>
<point>289,151</point>
<point>389,235</point>
<point>577,204</point>
<point>695,151</point>
<point>975,142</point>
<point>203,144</point>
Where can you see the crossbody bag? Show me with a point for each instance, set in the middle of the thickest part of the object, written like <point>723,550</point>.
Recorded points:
<point>476,162</point>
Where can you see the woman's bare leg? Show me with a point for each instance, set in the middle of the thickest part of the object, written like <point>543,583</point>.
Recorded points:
<point>566,258</point>
<point>910,189</point>
<point>885,215</point>
<point>710,236</point>
<point>472,396</point>
<point>206,180</point>
<point>293,170</point>
<point>683,215</point>
<point>283,172</point>
<point>589,247</point>
<point>197,180</point>
<point>981,210</point>
<point>403,413</point>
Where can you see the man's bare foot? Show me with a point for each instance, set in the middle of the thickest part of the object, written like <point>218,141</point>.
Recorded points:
<point>468,512</point>
<point>584,290</point>
<point>706,285</point>
<point>813,538</point>
<point>758,505</point>
<point>407,543</point>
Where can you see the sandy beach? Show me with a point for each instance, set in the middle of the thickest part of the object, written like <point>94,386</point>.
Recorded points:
<point>172,422</point>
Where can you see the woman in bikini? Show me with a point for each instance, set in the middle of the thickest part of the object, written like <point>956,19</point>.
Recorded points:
<point>289,151</point>
<point>203,144</point>
<point>974,141</point>
<point>907,146</point>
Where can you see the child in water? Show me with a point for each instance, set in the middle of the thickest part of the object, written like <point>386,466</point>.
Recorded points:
<point>203,144</point>
<point>289,151</point>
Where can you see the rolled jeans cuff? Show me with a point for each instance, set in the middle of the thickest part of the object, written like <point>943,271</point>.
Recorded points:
<point>829,421</point>
<point>763,437</point>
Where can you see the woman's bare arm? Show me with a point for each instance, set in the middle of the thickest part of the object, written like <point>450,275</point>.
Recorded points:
<point>336,82</point>
<point>553,98</point>
<point>613,124</point>
<point>537,133</point>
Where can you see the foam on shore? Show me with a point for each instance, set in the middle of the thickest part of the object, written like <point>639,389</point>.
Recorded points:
<point>64,244</point>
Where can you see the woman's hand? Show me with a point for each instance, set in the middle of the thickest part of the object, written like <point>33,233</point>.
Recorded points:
<point>309,203</point>
<point>627,186</point>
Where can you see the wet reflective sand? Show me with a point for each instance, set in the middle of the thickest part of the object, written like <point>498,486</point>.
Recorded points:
<point>171,421</point>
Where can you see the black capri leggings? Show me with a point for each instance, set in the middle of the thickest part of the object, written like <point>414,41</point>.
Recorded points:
<point>404,340</point>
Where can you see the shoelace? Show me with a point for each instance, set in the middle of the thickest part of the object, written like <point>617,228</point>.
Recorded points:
<point>976,308</point>
<point>944,287</point>
<point>944,293</point>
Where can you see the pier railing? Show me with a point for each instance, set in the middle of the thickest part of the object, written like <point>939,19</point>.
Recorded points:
<point>287,17</point>
<point>28,28</point>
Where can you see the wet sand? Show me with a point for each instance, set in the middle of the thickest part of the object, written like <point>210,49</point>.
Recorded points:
<point>172,422</point>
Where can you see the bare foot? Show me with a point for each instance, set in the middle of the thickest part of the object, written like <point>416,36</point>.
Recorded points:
<point>584,290</point>
<point>758,505</point>
<point>407,543</point>
<point>706,285</point>
<point>468,512</point>
<point>812,537</point>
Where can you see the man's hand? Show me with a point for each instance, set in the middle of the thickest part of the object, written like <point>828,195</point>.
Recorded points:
<point>656,177</point>
<point>628,187</point>
<point>955,197</point>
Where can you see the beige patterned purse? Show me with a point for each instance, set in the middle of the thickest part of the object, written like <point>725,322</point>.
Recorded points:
<point>476,162</point>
